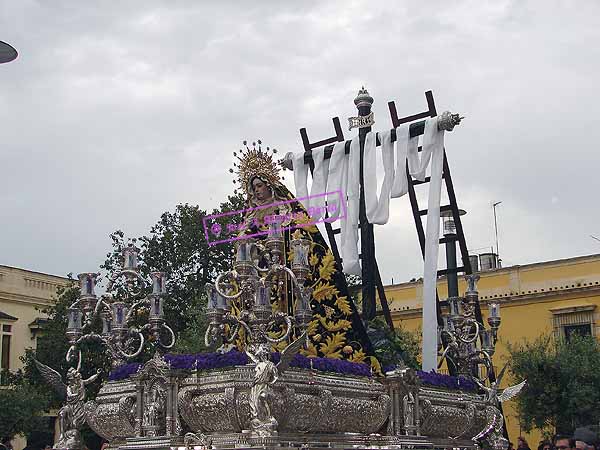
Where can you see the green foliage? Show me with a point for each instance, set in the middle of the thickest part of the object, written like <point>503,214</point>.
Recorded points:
<point>394,347</point>
<point>22,407</point>
<point>177,246</point>
<point>191,339</point>
<point>562,382</point>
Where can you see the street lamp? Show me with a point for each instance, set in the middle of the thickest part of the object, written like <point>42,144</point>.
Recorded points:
<point>7,53</point>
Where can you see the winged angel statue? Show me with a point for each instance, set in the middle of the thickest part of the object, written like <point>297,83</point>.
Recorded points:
<point>492,433</point>
<point>266,373</point>
<point>70,416</point>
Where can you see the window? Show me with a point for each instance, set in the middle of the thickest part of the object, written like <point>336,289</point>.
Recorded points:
<point>5,337</point>
<point>579,330</point>
<point>573,320</point>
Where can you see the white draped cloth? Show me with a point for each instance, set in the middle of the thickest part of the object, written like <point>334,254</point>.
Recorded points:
<point>341,173</point>
<point>349,225</point>
<point>433,148</point>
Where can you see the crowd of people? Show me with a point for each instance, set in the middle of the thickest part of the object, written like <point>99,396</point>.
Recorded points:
<point>582,439</point>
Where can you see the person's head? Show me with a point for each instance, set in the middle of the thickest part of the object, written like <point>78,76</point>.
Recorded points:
<point>584,438</point>
<point>48,447</point>
<point>545,445</point>
<point>521,442</point>
<point>261,190</point>
<point>562,442</point>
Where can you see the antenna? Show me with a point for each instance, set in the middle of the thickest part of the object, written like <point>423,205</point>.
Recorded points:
<point>494,204</point>
<point>594,237</point>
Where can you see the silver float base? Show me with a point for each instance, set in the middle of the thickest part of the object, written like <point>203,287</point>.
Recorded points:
<point>283,441</point>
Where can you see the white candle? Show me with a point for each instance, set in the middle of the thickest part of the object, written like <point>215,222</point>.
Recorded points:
<point>87,283</point>
<point>158,283</point>
<point>74,319</point>
<point>243,252</point>
<point>130,261</point>
<point>494,310</point>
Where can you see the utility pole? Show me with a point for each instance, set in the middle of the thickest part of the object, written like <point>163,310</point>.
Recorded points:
<point>496,229</point>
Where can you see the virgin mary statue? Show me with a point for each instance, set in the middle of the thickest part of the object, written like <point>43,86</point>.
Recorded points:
<point>336,330</point>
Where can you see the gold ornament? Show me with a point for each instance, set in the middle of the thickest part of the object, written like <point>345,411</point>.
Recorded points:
<point>255,162</point>
<point>348,349</point>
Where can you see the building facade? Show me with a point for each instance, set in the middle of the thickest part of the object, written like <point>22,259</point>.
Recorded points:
<point>23,294</point>
<point>560,297</point>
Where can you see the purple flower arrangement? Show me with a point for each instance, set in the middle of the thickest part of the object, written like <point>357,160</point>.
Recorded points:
<point>446,381</point>
<point>441,380</point>
<point>208,361</point>
<point>124,371</point>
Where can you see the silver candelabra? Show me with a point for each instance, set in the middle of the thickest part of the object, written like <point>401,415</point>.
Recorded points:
<point>121,339</point>
<point>250,285</point>
<point>468,343</point>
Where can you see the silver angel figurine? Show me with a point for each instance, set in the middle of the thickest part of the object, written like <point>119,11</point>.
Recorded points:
<point>266,373</point>
<point>492,432</point>
<point>71,415</point>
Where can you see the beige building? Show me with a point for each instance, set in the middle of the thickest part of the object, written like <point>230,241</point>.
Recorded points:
<point>23,294</point>
<point>559,297</point>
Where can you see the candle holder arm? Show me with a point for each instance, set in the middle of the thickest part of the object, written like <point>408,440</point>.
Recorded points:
<point>135,333</point>
<point>281,317</point>
<point>172,334</point>
<point>232,274</point>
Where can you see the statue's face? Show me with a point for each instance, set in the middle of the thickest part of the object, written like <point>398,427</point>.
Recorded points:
<point>71,374</point>
<point>261,190</point>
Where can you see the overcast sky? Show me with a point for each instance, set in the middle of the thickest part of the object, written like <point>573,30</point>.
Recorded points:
<point>115,112</point>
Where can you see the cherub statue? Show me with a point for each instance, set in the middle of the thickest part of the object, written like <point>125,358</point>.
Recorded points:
<point>492,432</point>
<point>266,373</point>
<point>70,416</point>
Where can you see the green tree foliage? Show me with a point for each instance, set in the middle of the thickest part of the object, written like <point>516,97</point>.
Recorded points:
<point>563,379</point>
<point>394,347</point>
<point>22,407</point>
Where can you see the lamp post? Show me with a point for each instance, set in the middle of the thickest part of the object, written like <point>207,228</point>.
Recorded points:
<point>122,339</point>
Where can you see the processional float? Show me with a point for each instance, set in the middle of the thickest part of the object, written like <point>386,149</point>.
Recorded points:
<point>294,367</point>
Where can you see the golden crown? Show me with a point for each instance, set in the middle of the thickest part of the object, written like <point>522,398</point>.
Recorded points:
<point>257,162</point>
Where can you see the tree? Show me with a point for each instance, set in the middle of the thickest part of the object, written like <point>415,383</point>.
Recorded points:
<point>396,347</point>
<point>562,382</point>
<point>22,409</point>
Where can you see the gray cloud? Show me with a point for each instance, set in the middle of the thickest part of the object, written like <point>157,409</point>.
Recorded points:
<point>114,113</point>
